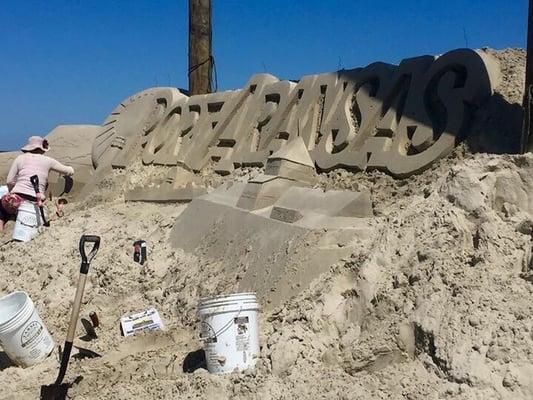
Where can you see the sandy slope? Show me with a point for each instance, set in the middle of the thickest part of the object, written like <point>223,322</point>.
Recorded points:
<point>436,305</point>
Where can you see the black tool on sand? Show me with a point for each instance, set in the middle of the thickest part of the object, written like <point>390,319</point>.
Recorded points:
<point>35,182</point>
<point>139,251</point>
<point>58,390</point>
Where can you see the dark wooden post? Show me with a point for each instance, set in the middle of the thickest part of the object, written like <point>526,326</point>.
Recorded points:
<point>200,58</point>
<point>527,136</point>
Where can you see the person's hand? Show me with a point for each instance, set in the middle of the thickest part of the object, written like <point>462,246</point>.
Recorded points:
<point>40,199</point>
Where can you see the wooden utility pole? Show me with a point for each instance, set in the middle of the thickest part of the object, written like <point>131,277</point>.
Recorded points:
<point>527,134</point>
<point>200,57</point>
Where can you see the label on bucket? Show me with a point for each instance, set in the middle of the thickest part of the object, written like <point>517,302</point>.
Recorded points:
<point>31,334</point>
<point>241,320</point>
<point>242,339</point>
<point>211,354</point>
<point>28,220</point>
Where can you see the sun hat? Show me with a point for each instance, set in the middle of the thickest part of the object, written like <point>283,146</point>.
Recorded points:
<point>36,142</point>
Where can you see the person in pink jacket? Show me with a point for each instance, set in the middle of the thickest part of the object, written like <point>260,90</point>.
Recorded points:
<point>31,162</point>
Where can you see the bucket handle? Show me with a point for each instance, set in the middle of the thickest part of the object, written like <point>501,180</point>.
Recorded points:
<point>221,330</point>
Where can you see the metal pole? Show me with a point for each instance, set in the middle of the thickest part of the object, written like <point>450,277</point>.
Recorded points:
<point>200,56</point>
<point>527,136</point>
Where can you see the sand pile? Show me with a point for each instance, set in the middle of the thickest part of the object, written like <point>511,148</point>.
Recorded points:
<point>434,303</point>
<point>437,304</point>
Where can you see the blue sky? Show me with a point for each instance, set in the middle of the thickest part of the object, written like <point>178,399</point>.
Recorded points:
<point>72,61</point>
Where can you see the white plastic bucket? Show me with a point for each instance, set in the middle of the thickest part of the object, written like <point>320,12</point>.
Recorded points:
<point>23,336</point>
<point>28,220</point>
<point>230,332</point>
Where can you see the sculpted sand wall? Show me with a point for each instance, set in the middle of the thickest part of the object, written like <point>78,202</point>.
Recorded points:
<point>396,118</point>
<point>69,144</point>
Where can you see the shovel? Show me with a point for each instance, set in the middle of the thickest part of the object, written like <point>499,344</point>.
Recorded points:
<point>58,390</point>
<point>35,182</point>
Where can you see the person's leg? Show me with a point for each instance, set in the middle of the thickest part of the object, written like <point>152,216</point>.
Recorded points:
<point>3,218</point>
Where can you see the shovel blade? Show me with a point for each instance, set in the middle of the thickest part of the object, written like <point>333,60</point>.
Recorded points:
<point>54,392</point>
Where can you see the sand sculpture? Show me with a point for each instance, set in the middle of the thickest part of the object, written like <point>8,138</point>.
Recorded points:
<point>371,287</point>
<point>288,167</point>
<point>275,210</point>
<point>396,118</point>
<point>399,119</point>
<point>279,254</point>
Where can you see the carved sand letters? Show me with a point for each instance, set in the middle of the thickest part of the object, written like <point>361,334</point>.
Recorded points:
<point>396,118</point>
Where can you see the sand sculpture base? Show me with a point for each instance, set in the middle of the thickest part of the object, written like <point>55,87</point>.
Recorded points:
<point>274,258</point>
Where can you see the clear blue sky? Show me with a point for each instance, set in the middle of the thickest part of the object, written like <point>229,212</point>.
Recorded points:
<point>72,61</point>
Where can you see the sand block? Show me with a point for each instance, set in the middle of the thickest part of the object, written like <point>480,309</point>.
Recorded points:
<point>333,203</point>
<point>312,220</point>
<point>286,214</point>
<point>273,258</point>
<point>288,167</point>
<point>224,167</point>
<point>164,195</point>
<point>228,193</point>
<point>292,161</point>
<point>264,190</point>
<point>289,170</point>
<point>179,186</point>
<point>294,152</point>
<point>179,177</point>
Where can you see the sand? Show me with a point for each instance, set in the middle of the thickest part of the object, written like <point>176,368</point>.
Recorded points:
<point>435,304</point>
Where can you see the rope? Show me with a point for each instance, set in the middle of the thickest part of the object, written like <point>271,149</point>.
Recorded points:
<point>528,136</point>
<point>214,84</point>
<point>195,67</point>
<point>213,79</point>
